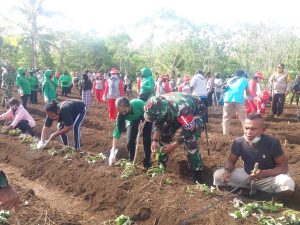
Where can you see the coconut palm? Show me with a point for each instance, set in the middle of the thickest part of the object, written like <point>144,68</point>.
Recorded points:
<point>34,34</point>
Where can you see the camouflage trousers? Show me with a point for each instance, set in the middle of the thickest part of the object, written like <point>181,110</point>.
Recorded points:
<point>7,94</point>
<point>187,137</point>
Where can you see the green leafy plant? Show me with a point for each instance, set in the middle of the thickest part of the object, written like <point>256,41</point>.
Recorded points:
<point>14,132</point>
<point>53,152</point>
<point>128,166</point>
<point>155,170</point>
<point>26,138</point>
<point>168,181</point>
<point>267,220</point>
<point>123,220</point>
<point>33,146</point>
<point>92,159</point>
<point>206,189</point>
<point>160,155</point>
<point>70,152</point>
<point>271,206</point>
<point>290,217</point>
<point>4,216</point>
<point>189,191</point>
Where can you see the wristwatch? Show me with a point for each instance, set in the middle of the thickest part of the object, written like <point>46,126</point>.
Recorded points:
<point>3,180</point>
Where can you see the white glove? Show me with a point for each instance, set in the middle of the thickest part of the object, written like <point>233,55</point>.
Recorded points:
<point>40,145</point>
<point>104,98</point>
<point>113,156</point>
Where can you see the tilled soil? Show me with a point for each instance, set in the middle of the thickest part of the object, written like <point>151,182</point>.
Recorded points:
<point>58,191</point>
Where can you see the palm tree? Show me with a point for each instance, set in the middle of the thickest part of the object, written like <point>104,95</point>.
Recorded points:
<point>32,10</point>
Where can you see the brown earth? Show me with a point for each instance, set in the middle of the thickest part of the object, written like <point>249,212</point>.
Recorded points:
<point>58,191</point>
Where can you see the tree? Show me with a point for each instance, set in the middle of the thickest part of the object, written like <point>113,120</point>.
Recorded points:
<point>32,10</point>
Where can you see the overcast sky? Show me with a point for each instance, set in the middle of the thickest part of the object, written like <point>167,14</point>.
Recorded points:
<point>103,16</point>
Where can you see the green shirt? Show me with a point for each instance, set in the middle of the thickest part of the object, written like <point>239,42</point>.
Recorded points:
<point>23,85</point>
<point>136,112</point>
<point>34,82</point>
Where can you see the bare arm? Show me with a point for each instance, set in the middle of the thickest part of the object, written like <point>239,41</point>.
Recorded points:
<point>60,132</point>
<point>280,168</point>
<point>230,162</point>
<point>45,133</point>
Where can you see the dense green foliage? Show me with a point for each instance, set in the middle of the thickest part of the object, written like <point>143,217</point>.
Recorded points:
<point>171,45</point>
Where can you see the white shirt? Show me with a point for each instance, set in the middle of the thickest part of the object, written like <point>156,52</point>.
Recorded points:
<point>198,83</point>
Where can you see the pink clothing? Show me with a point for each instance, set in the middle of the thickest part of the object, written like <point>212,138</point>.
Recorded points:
<point>21,114</point>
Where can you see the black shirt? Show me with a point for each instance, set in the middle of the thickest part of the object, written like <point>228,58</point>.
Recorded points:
<point>264,152</point>
<point>69,110</point>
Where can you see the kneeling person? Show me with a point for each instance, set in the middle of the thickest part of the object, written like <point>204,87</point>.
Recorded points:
<point>130,114</point>
<point>18,117</point>
<point>170,112</point>
<point>256,147</point>
<point>69,115</point>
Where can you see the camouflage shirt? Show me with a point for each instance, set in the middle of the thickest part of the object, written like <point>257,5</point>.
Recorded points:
<point>8,78</point>
<point>171,107</point>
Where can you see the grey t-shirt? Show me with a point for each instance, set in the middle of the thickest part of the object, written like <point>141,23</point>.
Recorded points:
<point>264,152</point>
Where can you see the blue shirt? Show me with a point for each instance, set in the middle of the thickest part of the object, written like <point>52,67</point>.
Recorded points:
<point>236,89</point>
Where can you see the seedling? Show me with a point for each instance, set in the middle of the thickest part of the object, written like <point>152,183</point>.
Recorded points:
<point>92,159</point>
<point>246,210</point>
<point>53,152</point>
<point>33,146</point>
<point>4,216</point>
<point>267,220</point>
<point>206,189</point>
<point>14,132</point>
<point>128,166</point>
<point>26,138</point>
<point>123,220</point>
<point>168,181</point>
<point>189,191</point>
<point>70,152</point>
<point>155,170</point>
<point>290,217</point>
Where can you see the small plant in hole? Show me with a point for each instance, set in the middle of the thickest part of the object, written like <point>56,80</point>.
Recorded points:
<point>92,159</point>
<point>155,170</point>
<point>4,216</point>
<point>14,132</point>
<point>123,220</point>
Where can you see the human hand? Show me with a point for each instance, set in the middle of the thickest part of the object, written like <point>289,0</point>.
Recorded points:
<point>9,199</point>
<point>226,176</point>
<point>169,148</point>
<point>154,146</point>
<point>257,175</point>
<point>113,156</point>
<point>41,145</point>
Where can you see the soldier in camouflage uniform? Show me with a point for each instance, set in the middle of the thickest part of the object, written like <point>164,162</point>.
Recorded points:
<point>8,80</point>
<point>170,112</point>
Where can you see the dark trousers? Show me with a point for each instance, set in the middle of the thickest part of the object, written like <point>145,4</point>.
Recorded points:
<point>278,103</point>
<point>76,130</point>
<point>64,91</point>
<point>296,95</point>
<point>132,132</point>
<point>206,103</point>
<point>210,98</point>
<point>33,97</point>
<point>25,100</point>
<point>24,126</point>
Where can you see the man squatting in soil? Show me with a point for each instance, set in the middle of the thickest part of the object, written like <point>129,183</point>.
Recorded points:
<point>170,112</point>
<point>255,147</point>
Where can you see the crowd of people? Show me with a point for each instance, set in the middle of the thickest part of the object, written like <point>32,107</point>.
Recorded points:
<point>163,107</point>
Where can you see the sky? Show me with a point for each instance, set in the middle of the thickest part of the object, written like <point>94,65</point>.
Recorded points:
<point>104,16</point>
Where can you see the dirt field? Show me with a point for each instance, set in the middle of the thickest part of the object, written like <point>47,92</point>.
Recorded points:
<point>58,191</point>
